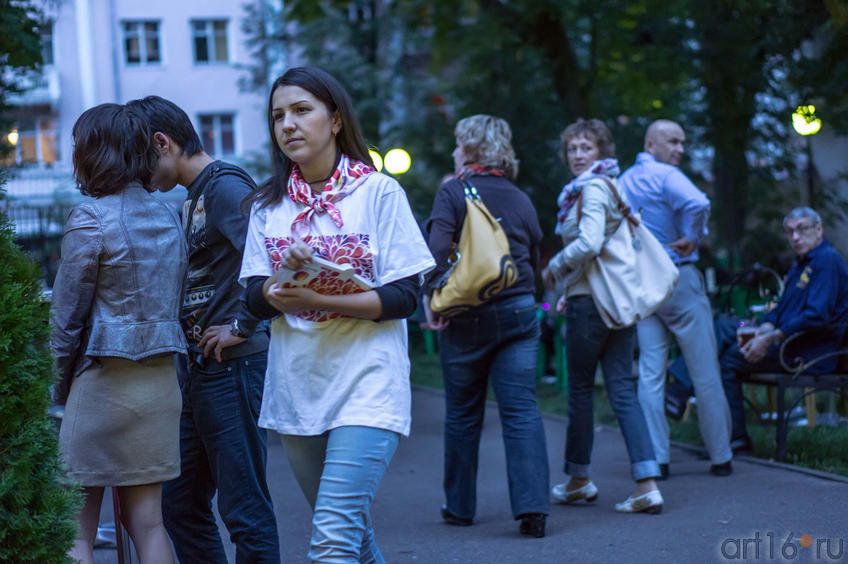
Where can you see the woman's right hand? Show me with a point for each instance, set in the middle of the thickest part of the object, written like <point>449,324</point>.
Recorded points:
<point>548,278</point>
<point>298,254</point>
<point>435,322</point>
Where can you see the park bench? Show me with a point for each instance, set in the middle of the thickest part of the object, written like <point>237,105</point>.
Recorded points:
<point>798,377</point>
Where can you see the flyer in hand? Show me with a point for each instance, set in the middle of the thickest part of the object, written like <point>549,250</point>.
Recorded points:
<point>324,277</point>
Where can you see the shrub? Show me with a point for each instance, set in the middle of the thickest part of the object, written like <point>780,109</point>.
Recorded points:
<point>36,509</point>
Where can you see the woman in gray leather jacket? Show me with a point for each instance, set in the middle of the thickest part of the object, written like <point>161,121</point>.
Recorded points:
<point>116,303</point>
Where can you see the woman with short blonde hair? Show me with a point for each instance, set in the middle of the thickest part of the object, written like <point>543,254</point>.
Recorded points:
<point>487,140</point>
<point>495,341</point>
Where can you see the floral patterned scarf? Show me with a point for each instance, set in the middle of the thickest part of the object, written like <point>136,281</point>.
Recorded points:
<point>571,191</point>
<point>339,185</point>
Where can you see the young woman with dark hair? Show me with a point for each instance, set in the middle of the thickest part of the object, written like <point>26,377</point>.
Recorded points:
<point>337,388</point>
<point>116,303</point>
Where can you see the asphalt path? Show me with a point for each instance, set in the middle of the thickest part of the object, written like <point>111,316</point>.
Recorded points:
<point>796,517</point>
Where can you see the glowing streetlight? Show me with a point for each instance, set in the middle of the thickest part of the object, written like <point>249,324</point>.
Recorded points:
<point>376,159</point>
<point>804,120</point>
<point>398,161</point>
<point>13,137</point>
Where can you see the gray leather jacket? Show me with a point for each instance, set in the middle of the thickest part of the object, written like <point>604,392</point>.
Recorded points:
<point>117,291</point>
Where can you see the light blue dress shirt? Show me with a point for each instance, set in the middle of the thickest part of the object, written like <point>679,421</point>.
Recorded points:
<point>671,206</point>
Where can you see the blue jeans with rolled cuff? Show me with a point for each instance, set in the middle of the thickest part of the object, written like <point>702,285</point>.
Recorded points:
<point>496,342</point>
<point>588,341</point>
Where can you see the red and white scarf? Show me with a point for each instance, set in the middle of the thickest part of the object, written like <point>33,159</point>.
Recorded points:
<point>339,185</point>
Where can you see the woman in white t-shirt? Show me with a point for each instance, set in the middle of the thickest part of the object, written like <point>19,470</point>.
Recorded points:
<point>337,386</point>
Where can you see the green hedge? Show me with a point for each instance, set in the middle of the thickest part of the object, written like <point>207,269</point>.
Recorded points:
<point>36,510</point>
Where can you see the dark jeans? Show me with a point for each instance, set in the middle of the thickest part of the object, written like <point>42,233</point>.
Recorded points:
<point>732,363</point>
<point>588,341</point>
<point>496,342</point>
<point>222,450</point>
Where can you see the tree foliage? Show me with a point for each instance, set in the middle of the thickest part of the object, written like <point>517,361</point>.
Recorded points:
<point>36,509</point>
<point>729,70</point>
<point>20,52</point>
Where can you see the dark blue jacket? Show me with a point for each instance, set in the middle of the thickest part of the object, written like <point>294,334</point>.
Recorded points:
<point>815,300</point>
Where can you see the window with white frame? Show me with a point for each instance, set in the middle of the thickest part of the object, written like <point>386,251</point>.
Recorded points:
<point>142,44</point>
<point>45,30</point>
<point>217,133</point>
<point>210,41</point>
<point>34,140</point>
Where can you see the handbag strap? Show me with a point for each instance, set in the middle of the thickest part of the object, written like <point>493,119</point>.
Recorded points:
<point>622,207</point>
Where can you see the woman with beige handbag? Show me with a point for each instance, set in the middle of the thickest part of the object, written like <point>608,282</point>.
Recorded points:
<point>589,214</point>
<point>494,341</point>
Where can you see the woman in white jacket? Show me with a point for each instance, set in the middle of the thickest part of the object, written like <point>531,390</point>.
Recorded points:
<point>588,215</point>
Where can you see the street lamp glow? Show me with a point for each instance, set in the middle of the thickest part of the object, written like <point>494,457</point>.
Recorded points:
<point>377,159</point>
<point>13,137</point>
<point>804,120</point>
<point>398,161</point>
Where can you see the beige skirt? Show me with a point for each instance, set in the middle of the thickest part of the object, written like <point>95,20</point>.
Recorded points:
<point>121,425</point>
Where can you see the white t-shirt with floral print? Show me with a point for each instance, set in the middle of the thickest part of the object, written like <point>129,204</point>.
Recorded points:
<point>326,370</point>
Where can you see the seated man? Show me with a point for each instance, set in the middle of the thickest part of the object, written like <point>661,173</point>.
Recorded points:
<point>815,301</point>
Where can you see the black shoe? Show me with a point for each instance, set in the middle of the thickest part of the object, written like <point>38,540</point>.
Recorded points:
<point>663,472</point>
<point>725,469</point>
<point>532,524</point>
<point>742,445</point>
<point>452,519</point>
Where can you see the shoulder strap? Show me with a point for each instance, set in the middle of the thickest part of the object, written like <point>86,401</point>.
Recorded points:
<point>622,207</point>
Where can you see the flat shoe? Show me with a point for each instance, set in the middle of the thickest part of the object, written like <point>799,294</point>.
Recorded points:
<point>650,502</point>
<point>588,492</point>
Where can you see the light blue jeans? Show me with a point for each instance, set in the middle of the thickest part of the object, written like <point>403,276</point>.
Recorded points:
<point>339,472</point>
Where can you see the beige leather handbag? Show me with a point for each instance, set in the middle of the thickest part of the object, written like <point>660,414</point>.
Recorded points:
<point>633,274</point>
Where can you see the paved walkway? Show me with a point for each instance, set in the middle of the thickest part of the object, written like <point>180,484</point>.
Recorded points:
<point>702,513</point>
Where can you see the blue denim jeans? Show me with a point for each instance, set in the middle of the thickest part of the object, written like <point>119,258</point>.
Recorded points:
<point>223,450</point>
<point>587,341</point>
<point>339,472</point>
<point>496,342</point>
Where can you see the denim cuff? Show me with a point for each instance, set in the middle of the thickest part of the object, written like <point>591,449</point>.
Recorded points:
<point>580,470</point>
<point>645,469</point>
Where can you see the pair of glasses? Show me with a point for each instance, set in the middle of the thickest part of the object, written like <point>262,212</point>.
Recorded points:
<point>800,230</point>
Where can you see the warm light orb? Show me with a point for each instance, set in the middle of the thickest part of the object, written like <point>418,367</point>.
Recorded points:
<point>377,159</point>
<point>398,161</point>
<point>804,120</point>
<point>13,137</point>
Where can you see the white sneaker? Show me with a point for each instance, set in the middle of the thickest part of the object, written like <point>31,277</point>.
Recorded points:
<point>650,502</point>
<point>588,492</point>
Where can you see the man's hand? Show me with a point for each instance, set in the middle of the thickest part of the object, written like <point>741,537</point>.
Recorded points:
<point>548,278</point>
<point>683,247</point>
<point>755,350</point>
<point>216,338</point>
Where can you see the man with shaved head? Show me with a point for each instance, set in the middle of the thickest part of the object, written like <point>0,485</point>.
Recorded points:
<point>676,212</point>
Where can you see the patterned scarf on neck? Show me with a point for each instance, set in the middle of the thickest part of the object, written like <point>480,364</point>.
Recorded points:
<point>571,191</point>
<point>339,185</point>
<point>471,169</point>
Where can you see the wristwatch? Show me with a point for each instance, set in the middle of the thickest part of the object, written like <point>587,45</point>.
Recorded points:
<point>236,330</point>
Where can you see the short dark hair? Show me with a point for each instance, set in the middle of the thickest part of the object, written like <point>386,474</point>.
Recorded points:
<point>112,147</point>
<point>593,129</point>
<point>167,117</point>
<point>326,88</point>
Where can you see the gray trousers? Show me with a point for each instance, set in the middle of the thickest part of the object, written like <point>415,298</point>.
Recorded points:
<point>687,316</point>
